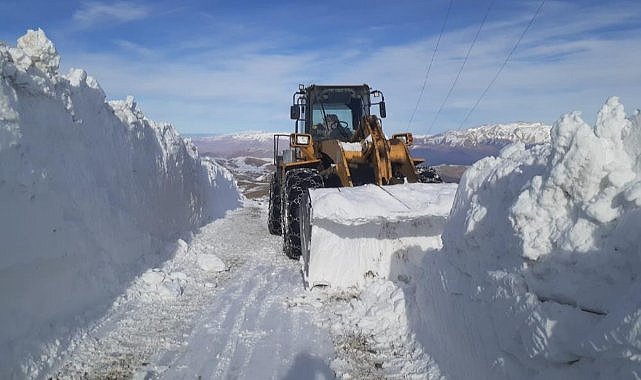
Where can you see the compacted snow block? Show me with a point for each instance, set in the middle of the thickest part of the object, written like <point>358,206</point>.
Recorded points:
<point>541,259</point>
<point>90,192</point>
<point>355,232</point>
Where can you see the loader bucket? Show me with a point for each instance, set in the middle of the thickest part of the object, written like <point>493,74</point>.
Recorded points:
<point>348,234</point>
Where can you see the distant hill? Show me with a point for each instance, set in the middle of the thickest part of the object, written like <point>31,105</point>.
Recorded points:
<point>491,134</point>
<point>464,147</point>
<point>246,144</point>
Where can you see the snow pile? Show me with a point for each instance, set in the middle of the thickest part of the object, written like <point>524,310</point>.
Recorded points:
<point>538,277</point>
<point>211,263</point>
<point>171,279</point>
<point>162,282</point>
<point>90,194</point>
<point>357,231</point>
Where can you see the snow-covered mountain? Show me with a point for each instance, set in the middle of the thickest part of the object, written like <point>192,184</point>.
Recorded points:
<point>252,144</point>
<point>462,147</point>
<point>491,134</point>
<point>249,136</point>
<point>92,193</point>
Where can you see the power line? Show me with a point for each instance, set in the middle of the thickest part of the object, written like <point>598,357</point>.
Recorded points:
<point>427,73</point>
<point>538,10</point>
<point>458,75</point>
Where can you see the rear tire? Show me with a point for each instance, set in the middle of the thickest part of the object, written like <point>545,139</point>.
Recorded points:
<point>295,184</point>
<point>274,215</point>
<point>428,175</point>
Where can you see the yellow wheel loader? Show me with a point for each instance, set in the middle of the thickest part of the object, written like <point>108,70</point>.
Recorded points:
<point>337,143</point>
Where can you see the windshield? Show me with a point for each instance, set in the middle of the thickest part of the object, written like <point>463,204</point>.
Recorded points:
<point>332,121</point>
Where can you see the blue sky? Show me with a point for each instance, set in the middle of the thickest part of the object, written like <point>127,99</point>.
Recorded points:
<point>230,66</point>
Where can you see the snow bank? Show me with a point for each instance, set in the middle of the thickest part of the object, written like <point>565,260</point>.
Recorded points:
<point>357,231</point>
<point>538,277</point>
<point>90,192</point>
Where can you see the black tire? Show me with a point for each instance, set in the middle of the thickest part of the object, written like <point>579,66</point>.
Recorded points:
<point>273,215</point>
<point>295,184</point>
<point>428,175</point>
<point>305,231</point>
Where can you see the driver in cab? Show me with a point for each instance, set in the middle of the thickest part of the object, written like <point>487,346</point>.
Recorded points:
<point>332,128</point>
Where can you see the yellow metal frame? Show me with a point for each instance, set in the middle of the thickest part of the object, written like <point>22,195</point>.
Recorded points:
<point>382,155</point>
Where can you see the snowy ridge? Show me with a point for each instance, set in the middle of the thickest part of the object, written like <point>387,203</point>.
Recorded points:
<point>453,147</point>
<point>245,137</point>
<point>91,192</point>
<point>492,134</point>
<point>255,144</point>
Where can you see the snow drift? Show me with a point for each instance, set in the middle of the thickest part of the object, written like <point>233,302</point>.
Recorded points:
<point>90,193</point>
<point>538,277</point>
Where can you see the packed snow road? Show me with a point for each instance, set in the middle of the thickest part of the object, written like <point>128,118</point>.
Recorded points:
<point>192,321</point>
<point>248,330</point>
<point>229,304</point>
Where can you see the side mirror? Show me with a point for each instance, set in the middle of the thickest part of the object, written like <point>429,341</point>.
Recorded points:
<point>294,112</point>
<point>381,109</point>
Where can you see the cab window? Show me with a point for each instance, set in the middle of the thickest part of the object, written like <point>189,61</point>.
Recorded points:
<point>332,121</point>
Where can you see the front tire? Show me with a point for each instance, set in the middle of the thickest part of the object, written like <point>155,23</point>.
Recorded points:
<point>296,183</point>
<point>274,214</point>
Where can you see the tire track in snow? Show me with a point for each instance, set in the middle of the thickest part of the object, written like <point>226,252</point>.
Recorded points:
<point>224,363</point>
<point>260,318</point>
<point>139,326</point>
<point>235,336</point>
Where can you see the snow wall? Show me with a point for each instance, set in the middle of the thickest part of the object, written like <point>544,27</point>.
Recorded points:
<point>539,274</point>
<point>91,193</point>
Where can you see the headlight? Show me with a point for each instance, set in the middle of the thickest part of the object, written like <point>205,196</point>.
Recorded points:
<point>301,139</point>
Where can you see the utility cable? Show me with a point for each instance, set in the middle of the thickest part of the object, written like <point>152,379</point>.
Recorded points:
<point>429,68</point>
<point>538,10</point>
<point>458,75</point>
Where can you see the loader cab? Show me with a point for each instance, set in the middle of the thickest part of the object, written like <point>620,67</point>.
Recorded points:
<point>331,112</point>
